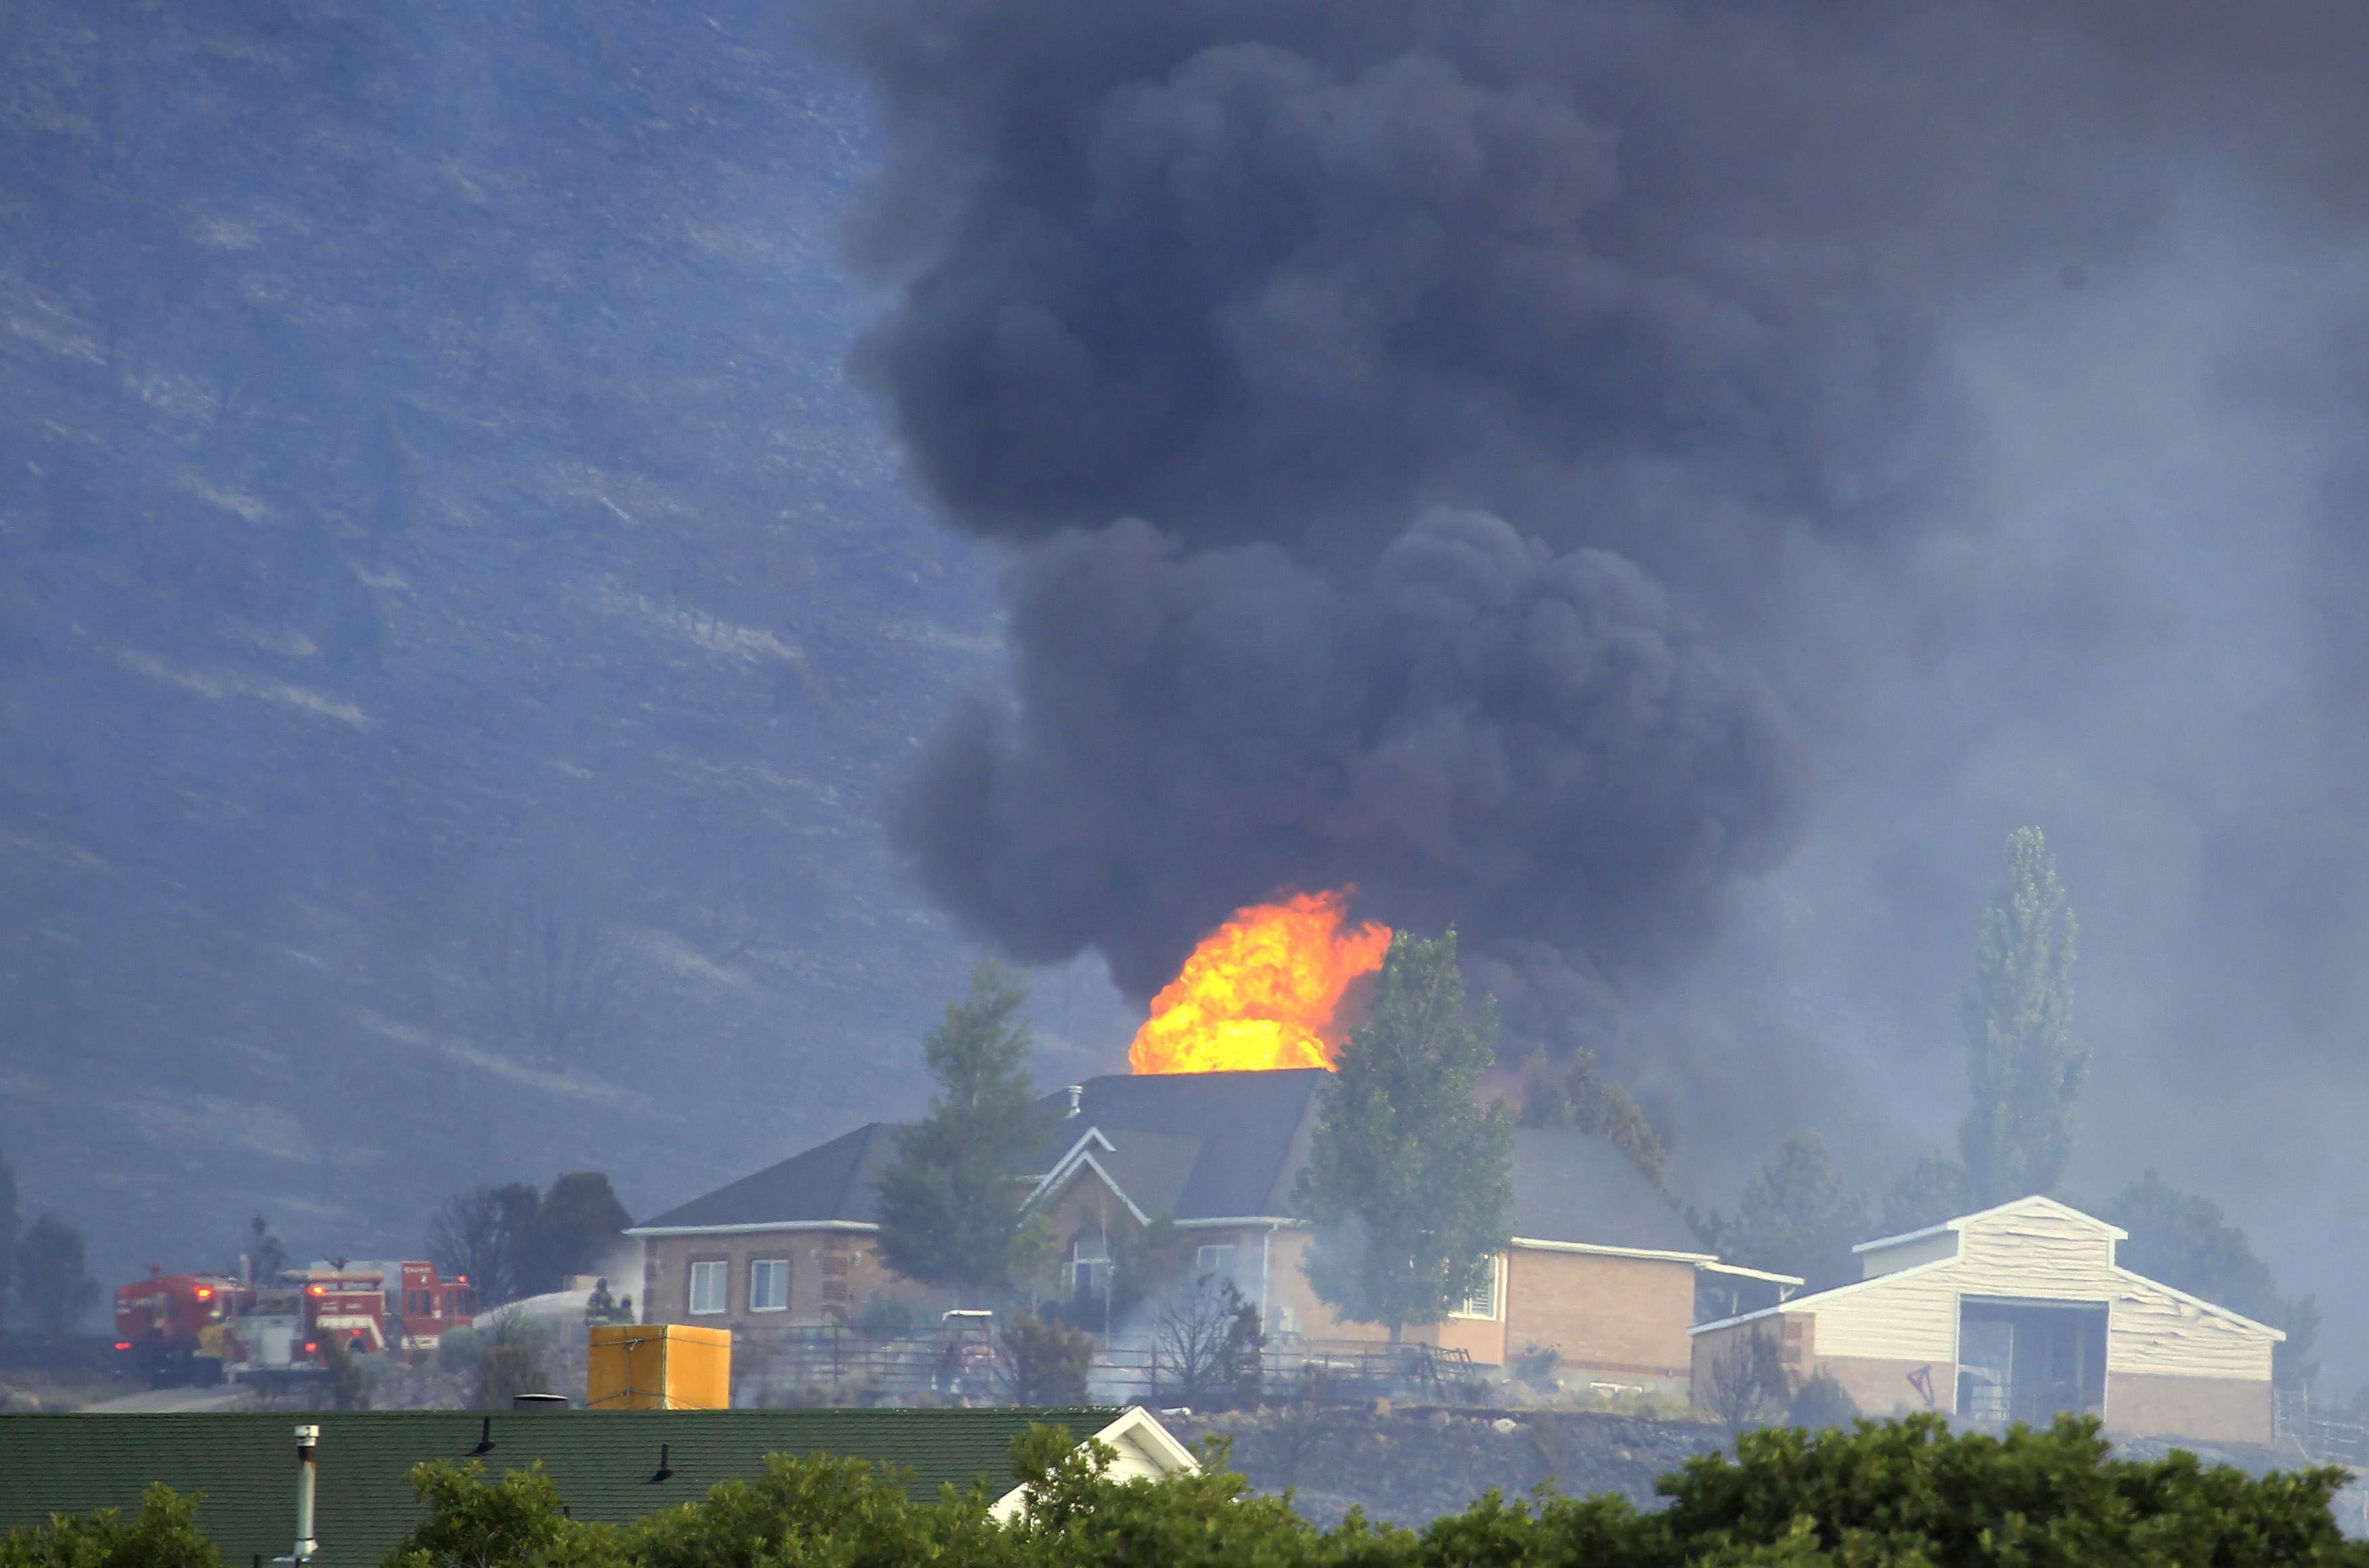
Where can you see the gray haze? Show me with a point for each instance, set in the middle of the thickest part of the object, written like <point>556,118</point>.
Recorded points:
<point>1667,487</point>
<point>1983,384</point>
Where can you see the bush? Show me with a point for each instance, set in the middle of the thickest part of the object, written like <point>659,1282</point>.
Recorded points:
<point>1045,1363</point>
<point>886,1317</point>
<point>1891,1493</point>
<point>1820,1402</point>
<point>507,1371</point>
<point>164,1536</point>
<point>460,1350</point>
<point>1534,1364</point>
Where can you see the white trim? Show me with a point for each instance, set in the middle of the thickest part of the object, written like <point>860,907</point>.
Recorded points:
<point>1737,1271</point>
<point>1497,1280</point>
<point>1062,1166</point>
<point>1051,1193</point>
<point>1594,1250</point>
<point>781,1264</point>
<point>723,1307</point>
<point>743,1229</point>
<point>1234,1221</point>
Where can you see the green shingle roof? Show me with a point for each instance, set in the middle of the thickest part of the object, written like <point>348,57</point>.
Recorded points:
<point>601,1461</point>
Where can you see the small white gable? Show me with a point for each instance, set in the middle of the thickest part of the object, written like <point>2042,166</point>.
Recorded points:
<point>1147,1450</point>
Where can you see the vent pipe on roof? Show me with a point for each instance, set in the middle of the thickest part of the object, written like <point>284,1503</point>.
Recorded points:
<point>308,1439</point>
<point>1077,1094</point>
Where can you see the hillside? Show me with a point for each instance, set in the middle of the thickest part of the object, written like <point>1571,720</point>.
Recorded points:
<point>457,620</point>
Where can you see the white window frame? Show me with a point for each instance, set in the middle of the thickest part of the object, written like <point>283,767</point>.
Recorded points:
<point>1490,1308</point>
<point>780,1268</point>
<point>1225,1270</point>
<point>717,1270</point>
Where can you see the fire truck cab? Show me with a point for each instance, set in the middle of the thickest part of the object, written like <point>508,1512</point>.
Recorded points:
<point>175,1328</point>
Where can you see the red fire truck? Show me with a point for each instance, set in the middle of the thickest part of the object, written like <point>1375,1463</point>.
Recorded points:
<point>174,1328</point>
<point>202,1328</point>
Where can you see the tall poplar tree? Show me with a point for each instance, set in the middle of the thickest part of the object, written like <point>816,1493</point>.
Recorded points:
<point>2024,1065</point>
<point>950,1204</point>
<point>1409,1180</point>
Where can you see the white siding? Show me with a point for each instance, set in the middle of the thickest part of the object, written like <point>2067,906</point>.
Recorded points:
<point>2040,1251</point>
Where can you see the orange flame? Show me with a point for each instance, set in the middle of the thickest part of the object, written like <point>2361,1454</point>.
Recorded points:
<point>1262,990</point>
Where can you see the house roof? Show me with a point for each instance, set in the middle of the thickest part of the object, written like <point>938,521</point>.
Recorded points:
<point>1198,1146</point>
<point>1884,1243</point>
<point>1579,1188</point>
<point>602,1462</point>
<point>834,1183</point>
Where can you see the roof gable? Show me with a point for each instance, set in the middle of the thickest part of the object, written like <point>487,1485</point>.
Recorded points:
<point>834,1183</point>
<point>1196,1146</point>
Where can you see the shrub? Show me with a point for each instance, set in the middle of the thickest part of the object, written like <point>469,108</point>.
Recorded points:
<point>507,1371</point>
<point>460,1350</point>
<point>1821,1402</point>
<point>886,1317</point>
<point>1044,1362</point>
<point>1534,1364</point>
<point>164,1534</point>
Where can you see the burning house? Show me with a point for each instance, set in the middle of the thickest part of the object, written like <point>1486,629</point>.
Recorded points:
<point>1211,1133</point>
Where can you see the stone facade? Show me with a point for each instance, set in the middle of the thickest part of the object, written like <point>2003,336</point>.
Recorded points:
<point>831,1271</point>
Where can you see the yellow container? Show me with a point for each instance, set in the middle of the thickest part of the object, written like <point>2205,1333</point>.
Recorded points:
<point>659,1366</point>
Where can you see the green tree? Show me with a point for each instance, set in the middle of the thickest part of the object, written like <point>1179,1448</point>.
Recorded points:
<point>1045,1361</point>
<point>1928,1192</point>
<point>950,1202</point>
<point>1795,1216</point>
<point>164,1535</point>
<point>2022,1062</point>
<point>52,1284</point>
<point>2183,1239</point>
<point>577,1227</point>
<point>1581,1097</point>
<point>1409,1180</point>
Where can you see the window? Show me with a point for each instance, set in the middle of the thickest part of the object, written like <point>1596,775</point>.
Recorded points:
<point>1217,1260</point>
<point>1483,1303</point>
<point>769,1284</point>
<point>1088,1268</point>
<point>708,1287</point>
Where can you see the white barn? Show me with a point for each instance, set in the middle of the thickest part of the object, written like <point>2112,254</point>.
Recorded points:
<point>2014,1314</point>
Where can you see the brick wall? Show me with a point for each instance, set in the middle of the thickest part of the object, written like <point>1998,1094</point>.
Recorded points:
<point>1625,1318</point>
<point>830,1272</point>
<point>2205,1409</point>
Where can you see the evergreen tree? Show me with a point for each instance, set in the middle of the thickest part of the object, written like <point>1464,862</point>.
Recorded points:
<point>1928,1192</point>
<point>1582,1098</point>
<point>950,1204</point>
<point>2024,1065</point>
<point>52,1284</point>
<point>579,1224</point>
<point>1795,1216</point>
<point>1409,1180</point>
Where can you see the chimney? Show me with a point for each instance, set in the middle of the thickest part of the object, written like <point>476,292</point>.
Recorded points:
<point>1077,1094</point>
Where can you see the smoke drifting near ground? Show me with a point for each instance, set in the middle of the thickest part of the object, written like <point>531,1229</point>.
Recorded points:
<point>1930,418</point>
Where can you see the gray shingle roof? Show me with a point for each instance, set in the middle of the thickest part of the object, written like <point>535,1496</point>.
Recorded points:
<point>601,1461</point>
<point>1576,1186</point>
<point>834,1181</point>
<point>1205,1145</point>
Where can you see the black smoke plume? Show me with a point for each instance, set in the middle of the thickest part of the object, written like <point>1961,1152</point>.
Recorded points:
<point>1481,732</point>
<point>1980,382</point>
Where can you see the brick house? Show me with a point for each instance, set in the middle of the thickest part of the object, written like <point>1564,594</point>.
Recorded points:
<point>1602,1268</point>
